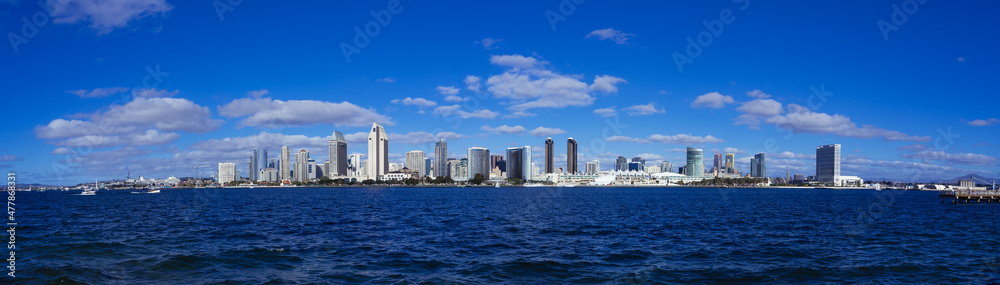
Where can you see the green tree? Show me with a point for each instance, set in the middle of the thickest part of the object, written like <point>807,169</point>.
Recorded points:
<point>478,179</point>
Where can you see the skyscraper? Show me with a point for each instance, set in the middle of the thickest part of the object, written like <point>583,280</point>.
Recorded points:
<point>548,155</point>
<point>378,152</point>
<point>254,167</point>
<point>621,164</point>
<point>338,155</point>
<point>479,162</point>
<point>828,163</point>
<point>356,163</point>
<point>227,172</point>
<point>286,167</point>
<point>261,161</point>
<point>718,164</point>
<point>515,166</point>
<point>641,166</point>
<point>730,161</point>
<point>571,148</point>
<point>757,168</point>
<point>441,168</point>
<point>415,161</point>
<point>496,160</point>
<point>666,167</point>
<point>302,165</point>
<point>593,167</point>
<point>527,167</point>
<point>427,166</point>
<point>695,162</point>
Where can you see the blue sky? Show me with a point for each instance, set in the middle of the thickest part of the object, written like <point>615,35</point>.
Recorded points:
<point>155,87</point>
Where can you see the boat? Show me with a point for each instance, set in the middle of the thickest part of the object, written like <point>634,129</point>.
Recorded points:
<point>90,191</point>
<point>154,191</point>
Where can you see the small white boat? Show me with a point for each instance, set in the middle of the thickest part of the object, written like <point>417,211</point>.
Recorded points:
<point>153,191</point>
<point>89,192</point>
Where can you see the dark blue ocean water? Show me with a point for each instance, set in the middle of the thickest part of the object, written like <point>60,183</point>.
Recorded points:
<point>504,235</point>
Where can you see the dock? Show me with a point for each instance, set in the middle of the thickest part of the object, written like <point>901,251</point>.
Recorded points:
<point>970,196</point>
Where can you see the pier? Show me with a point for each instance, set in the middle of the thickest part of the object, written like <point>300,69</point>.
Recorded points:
<point>970,196</point>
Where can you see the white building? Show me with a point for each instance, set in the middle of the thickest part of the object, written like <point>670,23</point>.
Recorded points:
<point>828,164</point>
<point>356,165</point>
<point>378,152</point>
<point>286,165</point>
<point>227,172</point>
<point>416,161</point>
<point>302,166</point>
<point>269,175</point>
<point>593,167</point>
<point>338,156</point>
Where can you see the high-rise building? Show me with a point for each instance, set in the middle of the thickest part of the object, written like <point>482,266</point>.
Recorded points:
<point>286,167</point>
<point>515,166</point>
<point>757,168</point>
<point>378,152</point>
<point>313,170</point>
<point>441,168</point>
<point>453,168</point>
<point>268,175</point>
<point>641,166</point>
<point>549,162</point>
<point>261,161</point>
<point>415,161</point>
<point>528,168</point>
<point>621,164</point>
<point>427,166</point>
<point>273,163</point>
<point>593,167</point>
<point>828,163</point>
<point>666,167</point>
<point>254,166</point>
<point>462,168</point>
<point>718,164</point>
<point>635,166</point>
<point>571,151</point>
<point>730,163</point>
<point>695,162</point>
<point>355,164</point>
<point>227,173</point>
<point>338,155</point>
<point>497,161</point>
<point>302,165</point>
<point>479,162</point>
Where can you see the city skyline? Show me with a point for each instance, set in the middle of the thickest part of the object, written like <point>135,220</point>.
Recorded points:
<point>127,102</point>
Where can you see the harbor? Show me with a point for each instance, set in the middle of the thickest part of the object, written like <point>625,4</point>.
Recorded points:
<point>969,196</point>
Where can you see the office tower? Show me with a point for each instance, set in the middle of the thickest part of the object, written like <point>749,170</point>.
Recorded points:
<point>548,155</point>
<point>254,167</point>
<point>479,162</point>
<point>415,161</point>
<point>268,175</point>
<point>528,168</point>
<point>427,166</point>
<point>338,155</point>
<point>227,172</point>
<point>682,170</point>
<point>571,150</point>
<point>718,164</point>
<point>273,163</point>
<point>828,163</point>
<point>666,167</point>
<point>621,164</point>
<point>325,170</point>
<point>453,168</point>
<point>757,166</point>
<point>515,166</point>
<point>378,152</point>
<point>634,166</point>
<point>462,168</point>
<point>730,162</point>
<point>355,163</point>
<point>695,162</point>
<point>641,165</point>
<point>286,167</point>
<point>441,168</point>
<point>302,165</point>
<point>314,171</point>
<point>593,167</point>
<point>495,160</point>
<point>261,161</point>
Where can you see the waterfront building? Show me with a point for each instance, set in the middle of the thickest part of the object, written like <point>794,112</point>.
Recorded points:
<point>652,169</point>
<point>515,166</point>
<point>395,167</point>
<point>302,166</point>
<point>378,152</point>
<point>593,167</point>
<point>286,167</point>
<point>571,151</point>
<point>269,175</point>
<point>479,162</point>
<point>427,167</point>
<point>415,161</point>
<point>642,163</point>
<point>497,161</point>
<point>227,172</point>
<point>757,168</point>
<point>718,164</point>
<point>730,163</point>
<point>254,166</point>
<point>621,164</point>
<point>338,155</point>
<point>695,162</point>
<point>666,167</point>
<point>441,168</point>
<point>453,167</point>
<point>549,162</point>
<point>828,163</point>
<point>355,165</point>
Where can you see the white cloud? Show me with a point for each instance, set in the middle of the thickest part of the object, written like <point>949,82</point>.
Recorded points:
<point>519,114</point>
<point>984,123</point>
<point>421,102</point>
<point>489,43</point>
<point>449,136</point>
<point>545,132</point>
<point>412,138</point>
<point>643,110</point>
<point>505,129</point>
<point>606,83</point>
<point>455,98</point>
<point>733,150</point>
<point>10,157</point>
<point>683,139</point>
<point>98,92</point>
<point>258,93</point>
<point>757,94</point>
<point>606,112</point>
<point>266,112</point>
<point>447,90</point>
<point>712,100</point>
<point>386,80</point>
<point>106,15</point>
<point>799,119</point>
<point>527,85</point>
<point>472,83</point>
<point>791,155</point>
<point>61,150</point>
<point>615,35</point>
<point>954,158</point>
<point>650,157</point>
<point>912,147</point>
<point>455,110</point>
<point>153,93</point>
